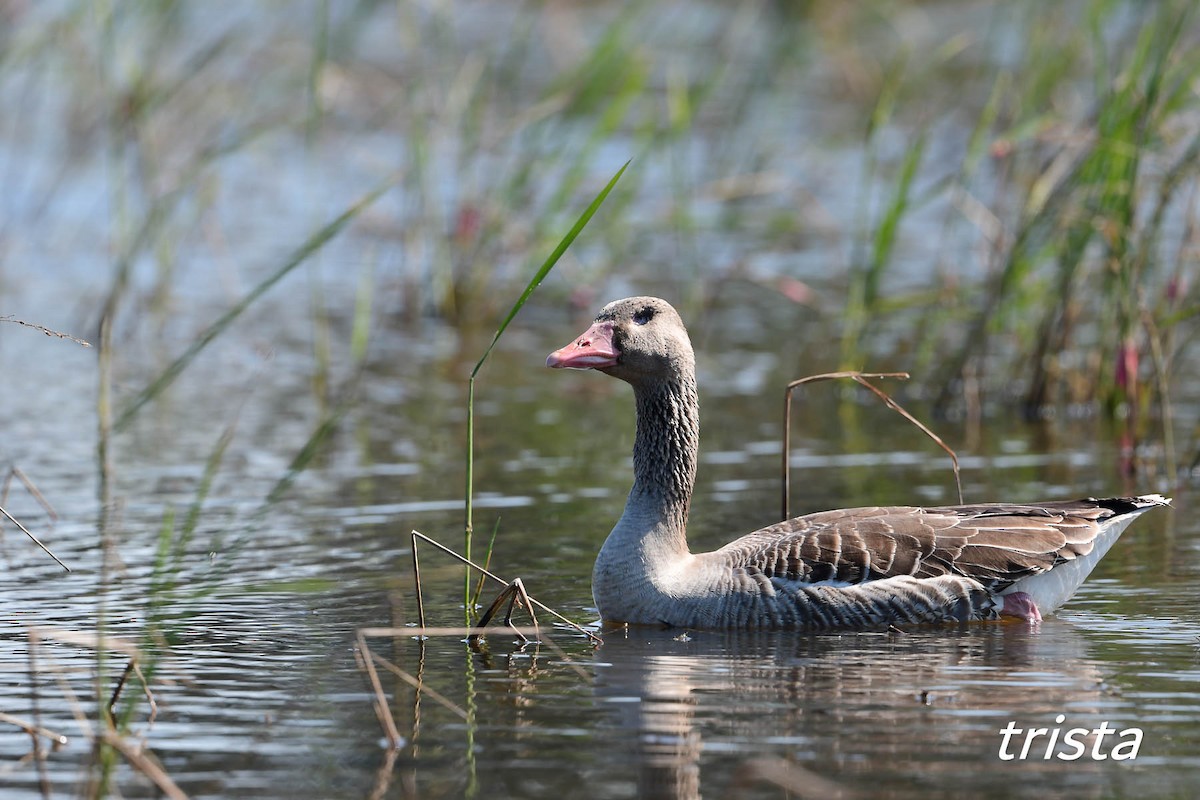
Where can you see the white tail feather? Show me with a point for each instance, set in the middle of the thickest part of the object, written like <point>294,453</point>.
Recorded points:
<point>1053,588</point>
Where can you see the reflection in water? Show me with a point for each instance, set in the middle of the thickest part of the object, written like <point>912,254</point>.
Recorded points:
<point>846,711</point>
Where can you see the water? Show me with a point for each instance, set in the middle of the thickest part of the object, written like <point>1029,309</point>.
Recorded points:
<point>247,633</point>
<point>259,695</point>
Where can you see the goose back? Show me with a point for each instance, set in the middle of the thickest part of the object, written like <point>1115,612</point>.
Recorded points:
<point>1003,546</point>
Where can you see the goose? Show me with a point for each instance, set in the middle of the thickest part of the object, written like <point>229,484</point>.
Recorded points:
<point>847,569</point>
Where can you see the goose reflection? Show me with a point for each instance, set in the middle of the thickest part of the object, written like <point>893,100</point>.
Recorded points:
<point>859,715</point>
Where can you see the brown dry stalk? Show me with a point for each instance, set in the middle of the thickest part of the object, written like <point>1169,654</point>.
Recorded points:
<point>892,404</point>
<point>861,378</point>
<point>16,472</point>
<point>514,593</point>
<point>57,738</point>
<point>796,780</point>
<point>420,686</point>
<point>420,632</point>
<point>88,640</point>
<point>35,539</point>
<point>132,668</point>
<point>367,659</point>
<point>144,762</point>
<point>533,602</point>
<point>383,711</point>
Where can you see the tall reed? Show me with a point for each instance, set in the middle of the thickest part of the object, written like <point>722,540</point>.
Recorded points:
<point>534,282</point>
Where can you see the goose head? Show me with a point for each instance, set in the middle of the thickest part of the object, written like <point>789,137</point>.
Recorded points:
<point>639,340</point>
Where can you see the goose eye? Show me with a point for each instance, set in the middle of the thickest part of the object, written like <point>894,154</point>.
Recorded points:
<point>643,316</point>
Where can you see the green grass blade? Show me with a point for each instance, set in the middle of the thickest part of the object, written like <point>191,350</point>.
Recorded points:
<point>542,272</point>
<point>299,256</point>
<point>325,429</point>
<point>889,226</point>
<point>549,263</point>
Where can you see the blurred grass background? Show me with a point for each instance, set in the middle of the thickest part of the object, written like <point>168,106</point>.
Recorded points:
<point>999,194</point>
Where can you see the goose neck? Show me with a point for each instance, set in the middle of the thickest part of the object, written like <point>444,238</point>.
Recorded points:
<point>665,447</point>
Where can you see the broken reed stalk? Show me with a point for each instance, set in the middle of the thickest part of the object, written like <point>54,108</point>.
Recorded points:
<point>57,739</point>
<point>514,593</point>
<point>16,472</point>
<point>795,780</point>
<point>35,539</point>
<point>367,660</point>
<point>132,668</point>
<point>860,378</point>
<point>144,762</point>
<point>39,757</point>
<point>894,406</point>
<point>116,692</point>
<point>136,755</point>
<point>418,632</point>
<point>533,602</point>
<point>382,711</point>
<point>405,676</point>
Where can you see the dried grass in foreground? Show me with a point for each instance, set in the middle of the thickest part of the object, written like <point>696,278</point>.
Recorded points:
<point>131,748</point>
<point>16,472</point>
<point>510,598</point>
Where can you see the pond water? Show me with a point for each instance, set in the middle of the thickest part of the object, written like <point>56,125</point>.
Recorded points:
<point>243,597</point>
<point>258,693</point>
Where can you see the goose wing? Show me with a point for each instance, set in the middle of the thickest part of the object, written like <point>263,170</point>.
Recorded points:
<point>994,543</point>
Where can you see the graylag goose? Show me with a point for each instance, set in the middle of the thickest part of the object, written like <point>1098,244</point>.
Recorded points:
<point>850,569</point>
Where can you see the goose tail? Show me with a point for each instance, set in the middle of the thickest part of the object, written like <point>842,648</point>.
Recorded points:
<point>1052,588</point>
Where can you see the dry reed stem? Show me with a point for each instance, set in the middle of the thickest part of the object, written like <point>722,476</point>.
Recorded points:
<point>515,594</point>
<point>16,472</point>
<point>93,642</point>
<point>420,631</point>
<point>36,540</point>
<point>64,685</point>
<point>145,762</point>
<point>860,378</point>
<point>57,738</point>
<point>116,692</point>
<point>137,758</point>
<point>89,640</point>
<point>39,757</point>
<point>383,712</point>
<point>44,329</point>
<point>13,766</point>
<point>533,602</point>
<point>420,686</point>
<point>383,777</point>
<point>894,406</point>
<point>417,578</point>
<point>367,659</point>
<point>553,645</point>
<point>133,668</point>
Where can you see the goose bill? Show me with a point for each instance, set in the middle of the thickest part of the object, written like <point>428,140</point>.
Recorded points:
<point>593,350</point>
